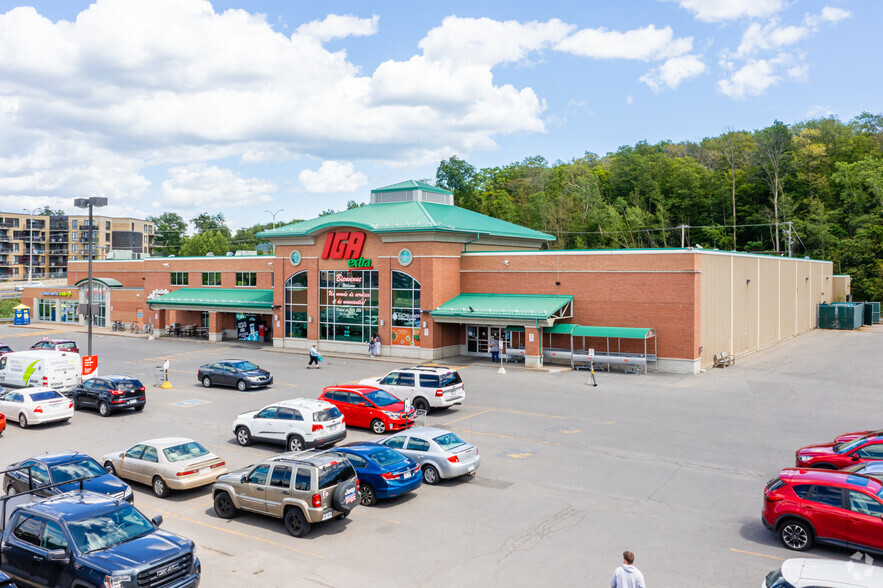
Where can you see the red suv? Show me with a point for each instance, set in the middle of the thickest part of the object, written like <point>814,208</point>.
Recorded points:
<point>57,345</point>
<point>369,407</point>
<point>838,508</point>
<point>839,455</point>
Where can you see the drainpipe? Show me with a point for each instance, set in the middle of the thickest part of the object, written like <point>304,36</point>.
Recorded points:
<point>477,237</point>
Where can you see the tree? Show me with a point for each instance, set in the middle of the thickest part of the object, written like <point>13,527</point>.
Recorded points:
<point>198,245</point>
<point>735,149</point>
<point>50,212</point>
<point>211,222</point>
<point>459,177</point>
<point>170,230</point>
<point>773,145</point>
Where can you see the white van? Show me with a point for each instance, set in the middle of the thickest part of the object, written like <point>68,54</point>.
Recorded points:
<point>59,370</point>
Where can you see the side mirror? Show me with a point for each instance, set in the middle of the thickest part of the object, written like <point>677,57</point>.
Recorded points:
<point>122,454</point>
<point>242,479</point>
<point>58,555</point>
<point>157,520</point>
<point>362,404</point>
<point>854,457</point>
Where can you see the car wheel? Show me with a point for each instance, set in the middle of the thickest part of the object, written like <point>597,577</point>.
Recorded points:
<point>369,497</point>
<point>23,421</point>
<point>11,491</point>
<point>295,523</point>
<point>76,401</point>
<point>140,407</point>
<point>224,506</point>
<point>108,467</point>
<point>378,426</point>
<point>207,382</point>
<point>796,535</point>
<point>421,404</point>
<point>430,475</point>
<point>241,385</point>
<point>160,488</point>
<point>243,437</point>
<point>104,409</point>
<point>295,443</point>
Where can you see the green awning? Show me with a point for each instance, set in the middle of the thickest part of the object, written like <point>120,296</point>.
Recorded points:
<point>109,282</point>
<point>233,299</point>
<point>515,329</point>
<point>502,306</point>
<point>559,329</point>
<point>613,332</point>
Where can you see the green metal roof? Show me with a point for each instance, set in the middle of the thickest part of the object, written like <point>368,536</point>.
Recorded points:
<point>109,282</point>
<point>412,185</point>
<point>232,298</point>
<point>601,332</point>
<point>409,217</point>
<point>502,306</point>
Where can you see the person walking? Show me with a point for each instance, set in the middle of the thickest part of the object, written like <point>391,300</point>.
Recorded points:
<point>495,350</point>
<point>377,345</point>
<point>627,575</point>
<point>314,357</point>
<point>371,347</point>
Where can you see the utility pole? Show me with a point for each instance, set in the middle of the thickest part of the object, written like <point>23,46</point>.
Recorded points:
<point>90,203</point>
<point>274,215</point>
<point>682,235</point>
<point>31,244</point>
<point>790,228</point>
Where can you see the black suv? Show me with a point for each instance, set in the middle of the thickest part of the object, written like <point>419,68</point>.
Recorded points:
<point>84,539</point>
<point>109,393</point>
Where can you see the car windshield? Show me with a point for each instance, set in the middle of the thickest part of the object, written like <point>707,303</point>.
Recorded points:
<point>381,397</point>
<point>335,473</point>
<point>449,441</point>
<point>107,530</point>
<point>74,470</point>
<point>184,451</point>
<point>244,366</point>
<point>329,414</point>
<point>775,580</point>
<point>47,395</point>
<point>450,379</point>
<point>847,447</point>
<point>387,457</point>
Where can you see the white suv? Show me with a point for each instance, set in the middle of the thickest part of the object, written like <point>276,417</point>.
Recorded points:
<point>301,423</point>
<point>824,573</point>
<point>424,387</point>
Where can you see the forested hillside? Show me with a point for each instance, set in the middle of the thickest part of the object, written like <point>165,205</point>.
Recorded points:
<point>735,191</point>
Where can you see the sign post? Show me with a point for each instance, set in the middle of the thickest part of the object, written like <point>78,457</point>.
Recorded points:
<point>592,367</point>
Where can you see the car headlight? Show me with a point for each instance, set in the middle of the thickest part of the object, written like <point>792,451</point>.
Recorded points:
<point>392,415</point>
<point>804,457</point>
<point>116,581</point>
<point>128,492</point>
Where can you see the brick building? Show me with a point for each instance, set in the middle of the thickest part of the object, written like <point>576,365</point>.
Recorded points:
<point>434,281</point>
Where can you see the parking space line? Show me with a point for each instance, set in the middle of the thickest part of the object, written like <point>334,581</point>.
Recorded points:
<point>363,514</point>
<point>201,505</point>
<point>468,417</point>
<point>507,437</point>
<point>531,414</point>
<point>758,554</point>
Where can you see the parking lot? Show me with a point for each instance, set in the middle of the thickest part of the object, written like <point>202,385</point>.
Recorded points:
<point>670,467</point>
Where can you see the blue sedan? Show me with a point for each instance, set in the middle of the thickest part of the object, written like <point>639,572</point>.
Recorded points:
<point>383,472</point>
<point>65,470</point>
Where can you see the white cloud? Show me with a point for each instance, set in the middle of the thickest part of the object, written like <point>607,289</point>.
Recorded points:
<point>759,37</point>
<point>722,10</point>
<point>674,71</point>
<point>199,186</point>
<point>757,75</point>
<point>629,99</point>
<point>817,111</point>
<point>646,43</point>
<point>336,26</point>
<point>834,14</point>
<point>331,177</point>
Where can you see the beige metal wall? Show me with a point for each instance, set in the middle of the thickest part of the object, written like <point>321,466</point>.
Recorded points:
<point>842,288</point>
<point>750,301</point>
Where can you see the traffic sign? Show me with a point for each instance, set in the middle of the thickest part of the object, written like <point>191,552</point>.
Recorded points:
<point>90,363</point>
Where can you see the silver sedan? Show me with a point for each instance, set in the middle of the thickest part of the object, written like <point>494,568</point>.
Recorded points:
<point>441,453</point>
<point>171,463</point>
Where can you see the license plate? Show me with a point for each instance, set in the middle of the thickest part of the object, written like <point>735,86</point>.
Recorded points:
<point>55,405</point>
<point>408,474</point>
<point>204,471</point>
<point>326,515</point>
<point>132,402</point>
<point>471,468</point>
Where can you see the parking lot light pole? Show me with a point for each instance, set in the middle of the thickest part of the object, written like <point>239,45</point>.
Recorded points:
<point>90,203</point>
<point>31,252</point>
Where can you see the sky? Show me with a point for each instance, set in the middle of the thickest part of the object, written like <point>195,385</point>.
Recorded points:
<point>250,108</point>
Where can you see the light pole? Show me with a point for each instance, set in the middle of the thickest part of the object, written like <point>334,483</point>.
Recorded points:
<point>89,203</point>
<point>31,252</point>
<point>274,215</point>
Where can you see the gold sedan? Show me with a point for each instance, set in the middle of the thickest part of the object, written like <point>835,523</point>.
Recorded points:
<point>171,463</point>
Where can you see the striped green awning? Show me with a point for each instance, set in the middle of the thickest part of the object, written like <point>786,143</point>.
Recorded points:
<point>502,306</point>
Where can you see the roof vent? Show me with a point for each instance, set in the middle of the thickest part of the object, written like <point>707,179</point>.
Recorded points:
<point>412,191</point>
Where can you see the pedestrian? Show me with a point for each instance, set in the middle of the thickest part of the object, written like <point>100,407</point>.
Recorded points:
<point>314,357</point>
<point>627,575</point>
<point>371,347</point>
<point>377,345</point>
<point>495,350</point>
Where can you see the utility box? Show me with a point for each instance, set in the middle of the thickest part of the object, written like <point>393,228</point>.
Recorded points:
<point>842,316</point>
<point>872,313</point>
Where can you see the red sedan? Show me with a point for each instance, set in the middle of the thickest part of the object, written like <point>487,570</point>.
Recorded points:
<point>850,436</point>
<point>57,345</point>
<point>2,424</point>
<point>836,456</point>
<point>369,407</point>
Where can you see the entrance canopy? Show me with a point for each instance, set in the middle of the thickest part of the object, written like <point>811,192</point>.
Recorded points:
<point>505,309</point>
<point>216,299</point>
<point>109,282</point>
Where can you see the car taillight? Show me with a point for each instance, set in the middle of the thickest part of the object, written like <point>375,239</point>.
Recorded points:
<point>70,404</point>
<point>439,393</point>
<point>416,468</point>
<point>454,459</point>
<point>187,473</point>
<point>317,501</point>
<point>219,465</point>
<point>773,497</point>
<point>358,486</point>
<point>388,476</point>
<point>317,427</point>
<point>117,392</point>
<point>141,389</point>
<point>38,409</point>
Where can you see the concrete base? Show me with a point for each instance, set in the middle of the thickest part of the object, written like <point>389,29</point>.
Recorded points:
<point>533,361</point>
<point>678,366</point>
<point>215,337</point>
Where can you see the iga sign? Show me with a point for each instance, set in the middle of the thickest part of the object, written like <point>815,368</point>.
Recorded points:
<point>346,245</point>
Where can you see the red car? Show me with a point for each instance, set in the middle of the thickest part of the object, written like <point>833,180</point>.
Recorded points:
<point>2,423</point>
<point>4,349</point>
<point>836,456</point>
<point>369,407</point>
<point>850,436</point>
<point>838,508</point>
<point>57,345</point>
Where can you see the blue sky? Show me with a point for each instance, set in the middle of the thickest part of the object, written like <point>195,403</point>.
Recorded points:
<point>245,107</point>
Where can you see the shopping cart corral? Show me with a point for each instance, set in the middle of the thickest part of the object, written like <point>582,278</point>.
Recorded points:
<point>633,355</point>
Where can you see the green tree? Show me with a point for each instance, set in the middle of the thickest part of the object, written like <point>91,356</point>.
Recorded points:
<point>170,231</point>
<point>214,242</point>
<point>459,177</point>
<point>773,148</point>
<point>47,211</point>
<point>211,222</point>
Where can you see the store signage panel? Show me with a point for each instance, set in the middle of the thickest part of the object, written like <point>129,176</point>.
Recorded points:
<point>66,294</point>
<point>346,245</point>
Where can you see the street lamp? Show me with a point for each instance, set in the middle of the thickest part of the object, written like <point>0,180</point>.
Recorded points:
<point>274,215</point>
<point>90,203</point>
<point>31,252</point>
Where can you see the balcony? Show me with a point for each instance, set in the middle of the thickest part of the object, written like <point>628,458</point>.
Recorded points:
<point>53,250</point>
<point>58,238</point>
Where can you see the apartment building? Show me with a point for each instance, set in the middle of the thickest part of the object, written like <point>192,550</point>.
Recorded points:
<point>45,244</point>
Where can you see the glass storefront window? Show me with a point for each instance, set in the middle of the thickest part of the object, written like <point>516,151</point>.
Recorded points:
<point>99,298</point>
<point>45,310</point>
<point>348,305</point>
<point>405,309</point>
<point>296,306</point>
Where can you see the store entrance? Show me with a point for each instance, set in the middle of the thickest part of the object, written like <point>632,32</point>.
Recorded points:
<point>478,338</point>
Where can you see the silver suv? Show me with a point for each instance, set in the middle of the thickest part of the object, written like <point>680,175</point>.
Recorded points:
<point>424,387</point>
<point>300,488</point>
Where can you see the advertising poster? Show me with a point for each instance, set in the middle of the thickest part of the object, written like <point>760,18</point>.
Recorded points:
<point>403,336</point>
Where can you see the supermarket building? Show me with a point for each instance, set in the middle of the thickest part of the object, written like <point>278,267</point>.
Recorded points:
<point>434,280</point>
